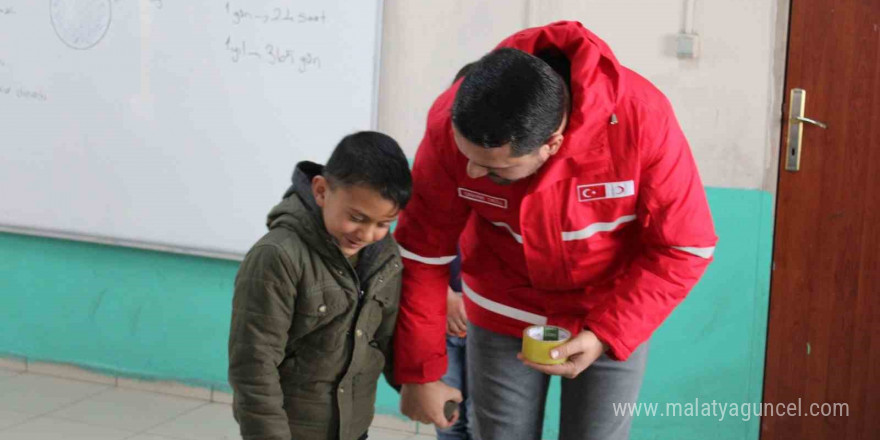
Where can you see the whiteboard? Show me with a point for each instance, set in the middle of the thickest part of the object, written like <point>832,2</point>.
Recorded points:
<point>172,124</point>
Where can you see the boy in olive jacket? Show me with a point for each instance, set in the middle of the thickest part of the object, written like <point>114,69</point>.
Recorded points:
<point>316,298</point>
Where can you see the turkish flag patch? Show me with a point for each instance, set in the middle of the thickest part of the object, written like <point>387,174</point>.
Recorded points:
<point>608,190</point>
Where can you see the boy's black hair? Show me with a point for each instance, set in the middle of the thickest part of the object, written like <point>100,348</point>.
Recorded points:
<point>372,159</point>
<point>510,96</point>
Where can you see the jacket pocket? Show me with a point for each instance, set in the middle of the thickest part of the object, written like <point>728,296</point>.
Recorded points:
<point>367,378</point>
<point>381,305</point>
<point>311,416</point>
<point>315,314</point>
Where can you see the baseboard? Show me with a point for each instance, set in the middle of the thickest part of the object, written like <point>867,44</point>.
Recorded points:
<point>75,372</point>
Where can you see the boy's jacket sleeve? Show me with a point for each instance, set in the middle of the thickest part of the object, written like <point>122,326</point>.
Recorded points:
<point>384,337</point>
<point>262,310</point>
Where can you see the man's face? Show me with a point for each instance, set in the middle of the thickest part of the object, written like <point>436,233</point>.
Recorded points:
<point>355,216</point>
<point>498,164</point>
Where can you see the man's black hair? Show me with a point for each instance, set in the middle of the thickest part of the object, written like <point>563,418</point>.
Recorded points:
<point>464,71</point>
<point>374,160</point>
<point>510,96</point>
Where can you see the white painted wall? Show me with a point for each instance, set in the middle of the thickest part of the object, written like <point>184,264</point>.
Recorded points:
<point>424,43</point>
<point>728,100</point>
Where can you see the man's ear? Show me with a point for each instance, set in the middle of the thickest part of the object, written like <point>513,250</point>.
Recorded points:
<point>319,189</point>
<point>553,144</point>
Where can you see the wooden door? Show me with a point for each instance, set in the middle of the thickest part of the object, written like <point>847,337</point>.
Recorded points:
<point>823,342</point>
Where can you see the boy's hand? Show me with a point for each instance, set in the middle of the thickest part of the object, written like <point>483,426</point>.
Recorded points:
<point>456,317</point>
<point>424,402</point>
<point>581,351</point>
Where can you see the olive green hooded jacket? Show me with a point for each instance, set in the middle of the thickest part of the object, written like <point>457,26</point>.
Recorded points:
<point>310,334</point>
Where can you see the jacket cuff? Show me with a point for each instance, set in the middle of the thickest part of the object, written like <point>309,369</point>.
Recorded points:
<point>616,349</point>
<point>608,333</point>
<point>431,370</point>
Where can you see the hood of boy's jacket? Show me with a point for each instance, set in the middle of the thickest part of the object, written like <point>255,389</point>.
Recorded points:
<point>304,203</point>
<point>300,212</point>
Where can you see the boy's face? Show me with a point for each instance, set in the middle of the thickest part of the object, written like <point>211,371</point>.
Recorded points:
<point>355,216</point>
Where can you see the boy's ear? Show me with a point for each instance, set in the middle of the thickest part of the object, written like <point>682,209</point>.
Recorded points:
<point>319,189</point>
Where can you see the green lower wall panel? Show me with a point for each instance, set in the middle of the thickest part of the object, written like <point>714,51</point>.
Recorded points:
<point>164,316</point>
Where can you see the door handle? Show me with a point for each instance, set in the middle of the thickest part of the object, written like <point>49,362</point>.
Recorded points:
<point>811,121</point>
<point>796,121</point>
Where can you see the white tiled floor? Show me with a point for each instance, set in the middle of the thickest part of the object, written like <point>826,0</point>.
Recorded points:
<point>36,407</point>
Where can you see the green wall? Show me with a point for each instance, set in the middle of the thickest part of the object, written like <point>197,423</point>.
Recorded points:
<point>155,315</point>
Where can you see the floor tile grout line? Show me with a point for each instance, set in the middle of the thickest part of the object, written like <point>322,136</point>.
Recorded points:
<point>176,417</point>
<point>411,430</point>
<point>116,378</point>
<point>169,437</point>
<point>161,393</point>
<point>172,418</point>
<point>50,413</point>
<point>80,422</point>
<point>108,387</point>
<point>32,417</point>
<point>16,374</point>
<point>133,433</point>
<point>145,431</point>
<point>105,389</point>
<point>115,384</point>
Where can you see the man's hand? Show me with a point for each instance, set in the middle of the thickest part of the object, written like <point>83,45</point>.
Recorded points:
<point>456,318</point>
<point>581,351</point>
<point>424,402</point>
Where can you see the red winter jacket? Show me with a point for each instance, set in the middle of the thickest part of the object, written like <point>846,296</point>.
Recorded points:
<point>609,235</point>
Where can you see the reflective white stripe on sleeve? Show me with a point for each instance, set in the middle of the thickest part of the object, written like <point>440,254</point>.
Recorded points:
<point>501,309</point>
<point>516,236</point>
<point>594,228</point>
<point>702,252</point>
<point>437,261</point>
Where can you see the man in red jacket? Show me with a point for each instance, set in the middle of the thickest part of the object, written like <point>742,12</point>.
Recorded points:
<point>572,192</point>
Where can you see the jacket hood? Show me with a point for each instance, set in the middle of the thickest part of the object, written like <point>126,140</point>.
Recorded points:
<point>596,75</point>
<point>298,203</point>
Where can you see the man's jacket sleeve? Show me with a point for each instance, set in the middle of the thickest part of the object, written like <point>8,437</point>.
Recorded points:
<point>427,232</point>
<point>678,241</point>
